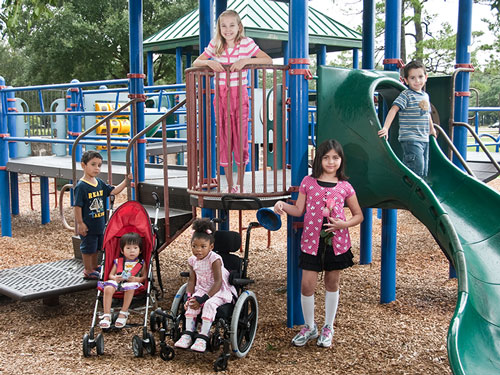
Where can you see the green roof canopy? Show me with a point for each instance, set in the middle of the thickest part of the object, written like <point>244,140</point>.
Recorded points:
<point>264,21</point>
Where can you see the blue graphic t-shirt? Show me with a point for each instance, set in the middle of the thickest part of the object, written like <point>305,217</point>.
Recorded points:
<point>92,198</point>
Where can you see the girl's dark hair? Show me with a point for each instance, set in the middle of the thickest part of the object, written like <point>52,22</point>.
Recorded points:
<point>131,238</point>
<point>321,151</point>
<point>203,229</point>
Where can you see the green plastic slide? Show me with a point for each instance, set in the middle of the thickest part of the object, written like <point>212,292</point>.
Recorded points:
<point>461,212</point>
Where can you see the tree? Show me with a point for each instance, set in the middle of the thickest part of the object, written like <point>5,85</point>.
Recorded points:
<point>84,39</point>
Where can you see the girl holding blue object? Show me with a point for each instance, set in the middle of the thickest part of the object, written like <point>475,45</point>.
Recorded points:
<point>127,275</point>
<point>231,47</point>
<point>325,243</point>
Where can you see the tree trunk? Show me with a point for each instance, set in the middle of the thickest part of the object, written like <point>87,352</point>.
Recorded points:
<point>419,34</point>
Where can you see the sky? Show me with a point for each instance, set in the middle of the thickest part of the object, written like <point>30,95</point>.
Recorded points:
<point>445,10</point>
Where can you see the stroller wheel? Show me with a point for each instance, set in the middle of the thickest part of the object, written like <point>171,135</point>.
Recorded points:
<point>137,346</point>
<point>86,345</point>
<point>100,344</point>
<point>167,353</point>
<point>221,363</point>
<point>150,346</point>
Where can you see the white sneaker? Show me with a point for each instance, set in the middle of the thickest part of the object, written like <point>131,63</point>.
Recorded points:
<point>325,339</point>
<point>305,334</point>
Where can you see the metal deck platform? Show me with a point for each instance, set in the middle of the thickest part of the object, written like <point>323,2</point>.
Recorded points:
<point>45,280</point>
<point>482,166</point>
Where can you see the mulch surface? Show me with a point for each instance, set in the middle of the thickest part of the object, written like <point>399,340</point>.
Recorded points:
<point>407,336</point>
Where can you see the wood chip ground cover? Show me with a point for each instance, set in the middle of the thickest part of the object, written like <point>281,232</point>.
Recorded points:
<point>407,336</point>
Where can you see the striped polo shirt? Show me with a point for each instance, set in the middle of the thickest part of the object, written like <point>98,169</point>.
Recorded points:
<point>246,48</point>
<point>414,108</point>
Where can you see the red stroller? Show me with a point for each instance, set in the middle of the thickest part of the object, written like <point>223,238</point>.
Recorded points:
<point>129,217</point>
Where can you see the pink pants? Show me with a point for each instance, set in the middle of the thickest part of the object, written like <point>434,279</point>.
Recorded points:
<point>209,308</point>
<point>235,123</point>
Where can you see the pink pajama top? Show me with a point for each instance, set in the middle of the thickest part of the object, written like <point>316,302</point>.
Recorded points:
<point>246,48</point>
<point>316,197</point>
<point>205,277</point>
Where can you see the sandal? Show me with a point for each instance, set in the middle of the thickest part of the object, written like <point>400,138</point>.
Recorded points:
<point>200,345</point>
<point>94,275</point>
<point>122,322</point>
<point>105,321</point>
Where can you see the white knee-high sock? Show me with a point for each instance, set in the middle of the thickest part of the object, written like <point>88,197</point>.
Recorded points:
<point>190,324</point>
<point>205,327</point>
<point>331,304</point>
<point>308,309</point>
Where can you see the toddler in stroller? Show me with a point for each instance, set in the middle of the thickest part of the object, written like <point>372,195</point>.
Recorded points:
<point>129,246</point>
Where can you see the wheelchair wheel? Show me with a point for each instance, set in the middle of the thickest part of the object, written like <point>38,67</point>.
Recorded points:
<point>244,323</point>
<point>155,321</point>
<point>177,309</point>
<point>86,345</point>
<point>99,341</point>
<point>167,353</point>
<point>220,364</point>
<point>137,346</point>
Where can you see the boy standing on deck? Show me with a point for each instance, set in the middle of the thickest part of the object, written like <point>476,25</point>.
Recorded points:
<point>415,122</point>
<point>90,196</point>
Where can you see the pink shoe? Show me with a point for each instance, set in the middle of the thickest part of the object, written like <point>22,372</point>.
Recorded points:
<point>199,345</point>
<point>184,342</point>
<point>236,189</point>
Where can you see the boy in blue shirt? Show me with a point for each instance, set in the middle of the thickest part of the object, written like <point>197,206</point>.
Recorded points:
<point>415,122</point>
<point>90,196</point>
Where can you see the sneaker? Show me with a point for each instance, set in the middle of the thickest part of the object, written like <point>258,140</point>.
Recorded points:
<point>199,345</point>
<point>184,342</point>
<point>305,334</point>
<point>235,189</point>
<point>325,339</point>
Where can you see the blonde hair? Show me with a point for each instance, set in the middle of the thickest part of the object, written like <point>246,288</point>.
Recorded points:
<point>220,41</point>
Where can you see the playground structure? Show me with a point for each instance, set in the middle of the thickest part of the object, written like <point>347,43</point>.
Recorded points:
<point>463,358</point>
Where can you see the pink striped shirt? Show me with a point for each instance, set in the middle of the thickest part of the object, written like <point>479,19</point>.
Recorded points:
<point>245,49</point>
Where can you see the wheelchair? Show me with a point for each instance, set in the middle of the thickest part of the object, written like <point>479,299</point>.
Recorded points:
<point>235,323</point>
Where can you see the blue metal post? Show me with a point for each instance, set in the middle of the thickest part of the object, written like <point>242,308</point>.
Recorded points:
<point>137,77</point>
<point>178,65</point>
<point>462,81</point>
<point>188,60</point>
<point>206,33</point>
<point>355,58</point>
<point>11,128</point>
<point>44,199</point>
<point>220,6</point>
<point>150,68</point>
<point>11,122</point>
<point>286,53</point>
<point>464,32</point>
<point>299,88</point>
<point>14,193</point>
<point>74,122</point>
<point>389,217</point>
<point>388,261</point>
<point>367,62</point>
<point>4,158</point>
<point>321,55</point>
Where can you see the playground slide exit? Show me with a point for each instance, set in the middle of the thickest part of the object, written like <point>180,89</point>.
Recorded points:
<point>461,212</point>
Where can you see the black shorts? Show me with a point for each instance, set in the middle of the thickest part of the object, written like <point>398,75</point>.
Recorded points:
<point>325,260</point>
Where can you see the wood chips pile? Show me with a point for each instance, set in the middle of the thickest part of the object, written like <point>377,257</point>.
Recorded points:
<point>407,336</point>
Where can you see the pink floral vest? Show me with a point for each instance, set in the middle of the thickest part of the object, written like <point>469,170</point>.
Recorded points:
<point>316,197</point>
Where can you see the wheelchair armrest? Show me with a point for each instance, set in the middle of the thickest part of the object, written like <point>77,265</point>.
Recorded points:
<point>184,274</point>
<point>241,282</point>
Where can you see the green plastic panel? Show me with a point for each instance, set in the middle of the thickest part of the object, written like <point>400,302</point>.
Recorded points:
<point>460,212</point>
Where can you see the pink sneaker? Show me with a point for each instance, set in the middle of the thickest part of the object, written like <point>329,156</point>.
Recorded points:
<point>184,342</point>
<point>236,189</point>
<point>199,345</point>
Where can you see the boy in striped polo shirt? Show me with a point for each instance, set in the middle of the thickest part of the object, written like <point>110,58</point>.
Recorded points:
<point>415,122</point>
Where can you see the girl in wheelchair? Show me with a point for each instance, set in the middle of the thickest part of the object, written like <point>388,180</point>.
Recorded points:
<point>208,286</point>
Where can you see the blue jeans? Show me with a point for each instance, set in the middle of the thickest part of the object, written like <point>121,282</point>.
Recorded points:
<point>416,156</point>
